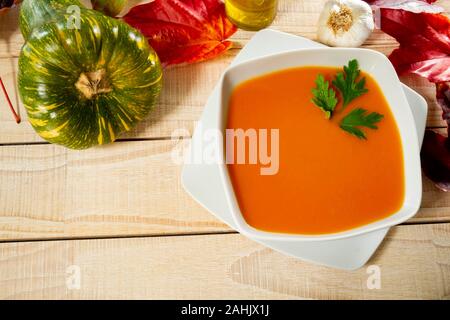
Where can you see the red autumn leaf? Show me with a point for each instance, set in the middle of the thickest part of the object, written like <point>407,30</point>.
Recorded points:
<point>424,43</point>
<point>435,153</point>
<point>184,31</point>
<point>424,40</point>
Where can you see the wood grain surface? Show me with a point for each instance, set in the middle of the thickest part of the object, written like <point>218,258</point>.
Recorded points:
<point>127,188</point>
<point>120,216</point>
<point>413,263</point>
<point>188,87</point>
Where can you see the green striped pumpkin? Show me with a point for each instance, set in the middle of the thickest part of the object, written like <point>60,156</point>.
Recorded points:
<point>34,13</point>
<point>84,87</point>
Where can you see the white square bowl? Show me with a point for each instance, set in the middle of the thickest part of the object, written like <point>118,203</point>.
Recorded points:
<point>381,69</point>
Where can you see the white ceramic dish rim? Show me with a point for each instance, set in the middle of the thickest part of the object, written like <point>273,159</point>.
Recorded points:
<point>382,70</point>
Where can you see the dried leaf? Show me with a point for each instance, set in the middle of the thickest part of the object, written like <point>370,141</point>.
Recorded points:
<point>424,38</point>
<point>424,43</point>
<point>415,6</point>
<point>435,153</point>
<point>435,158</point>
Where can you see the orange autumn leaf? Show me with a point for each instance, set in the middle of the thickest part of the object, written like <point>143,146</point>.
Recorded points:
<point>183,31</point>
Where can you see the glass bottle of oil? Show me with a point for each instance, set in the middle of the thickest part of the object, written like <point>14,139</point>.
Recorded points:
<point>251,14</point>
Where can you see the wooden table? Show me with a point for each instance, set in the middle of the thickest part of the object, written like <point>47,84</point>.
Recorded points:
<point>117,218</point>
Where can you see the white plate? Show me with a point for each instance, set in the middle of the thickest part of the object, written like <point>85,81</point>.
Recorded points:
<point>203,182</point>
<point>381,69</point>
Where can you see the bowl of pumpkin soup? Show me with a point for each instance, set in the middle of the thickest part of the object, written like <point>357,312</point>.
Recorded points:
<point>318,144</point>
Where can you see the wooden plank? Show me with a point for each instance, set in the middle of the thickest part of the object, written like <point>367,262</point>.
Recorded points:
<point>296,17</point>
<point>125,189</point>
<point>128,188</point>
<point>185,93</point>
<point>413,261</point>
<point>186,87</point>
<point>11,39</point>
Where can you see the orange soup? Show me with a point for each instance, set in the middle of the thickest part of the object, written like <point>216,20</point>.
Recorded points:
<point>328,180</point>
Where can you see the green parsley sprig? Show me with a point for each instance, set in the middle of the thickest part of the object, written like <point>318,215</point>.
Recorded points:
<point>346,82</point>
<point>324,97</point>
<point>360,118</point>
<point>350,87</point>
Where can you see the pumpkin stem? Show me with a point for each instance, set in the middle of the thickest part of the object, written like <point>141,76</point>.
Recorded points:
<point>16,116</point>
<point>91,84</point>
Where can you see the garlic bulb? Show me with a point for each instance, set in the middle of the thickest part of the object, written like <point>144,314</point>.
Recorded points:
<point>345,23</point>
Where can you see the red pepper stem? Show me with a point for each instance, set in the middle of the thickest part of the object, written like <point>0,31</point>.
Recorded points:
<point>16,116</point>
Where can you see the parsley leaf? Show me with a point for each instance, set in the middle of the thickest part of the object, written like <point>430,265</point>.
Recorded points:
<point>359,118</point>
<point>346,82</point>
<point>324,97</point>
